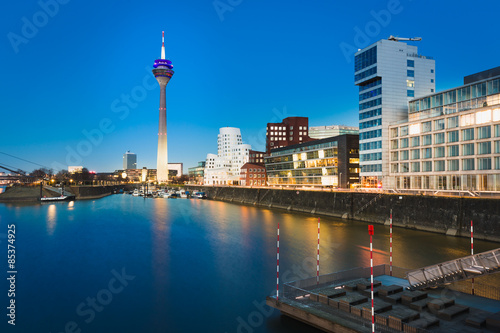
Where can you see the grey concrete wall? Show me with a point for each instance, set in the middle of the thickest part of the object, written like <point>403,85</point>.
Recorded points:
<point>447,215</point>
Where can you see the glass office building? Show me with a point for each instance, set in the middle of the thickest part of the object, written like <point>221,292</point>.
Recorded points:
<point>451,141</point>
<point>388,74</point>
<point>332,162</point>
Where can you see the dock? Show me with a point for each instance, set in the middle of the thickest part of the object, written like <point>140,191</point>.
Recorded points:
<point>341,302</point>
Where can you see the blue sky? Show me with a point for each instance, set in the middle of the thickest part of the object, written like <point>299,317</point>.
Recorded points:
<point>77,86</point>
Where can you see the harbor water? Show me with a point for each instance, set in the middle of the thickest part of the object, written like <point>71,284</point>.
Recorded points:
<point>129,264</point>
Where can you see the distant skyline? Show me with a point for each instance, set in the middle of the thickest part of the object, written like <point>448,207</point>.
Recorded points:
<point>77,86</point>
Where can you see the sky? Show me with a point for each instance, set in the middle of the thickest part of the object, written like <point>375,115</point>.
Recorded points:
<point>77,87</point>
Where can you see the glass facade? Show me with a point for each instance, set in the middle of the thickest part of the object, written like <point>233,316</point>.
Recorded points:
<point>314,164</point>
<point>458,132</point>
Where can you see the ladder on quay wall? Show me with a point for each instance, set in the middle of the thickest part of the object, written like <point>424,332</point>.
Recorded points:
<point>369,203</point>
<point>455,270</point>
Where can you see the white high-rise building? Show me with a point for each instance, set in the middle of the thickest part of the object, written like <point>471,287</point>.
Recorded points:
<point>129,160</point>
<point>389,74</point>
<point>224,168</point>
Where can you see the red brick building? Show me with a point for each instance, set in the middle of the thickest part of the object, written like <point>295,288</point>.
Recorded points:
<point>253,175</point>
<point>291,131</point>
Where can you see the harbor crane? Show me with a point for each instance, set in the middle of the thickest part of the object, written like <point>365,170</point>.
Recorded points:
<point>398,39</point>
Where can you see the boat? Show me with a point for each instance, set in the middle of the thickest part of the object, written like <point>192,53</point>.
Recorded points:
<point>199,195</point>
<point>135,193</point>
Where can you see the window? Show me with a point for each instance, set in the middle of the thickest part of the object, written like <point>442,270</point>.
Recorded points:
<point>439,166</point>
<point>453,122</point>
<point>394,132</point>
<point>453,136</point>
<point>370,134</point>
<point>427,126</point>
<point>394,156</point>
<point>484,148</point>
<point>484,164</point>
<point>439,152</point>
<point>467,119</point>
<point>365,59</point>
<point>432,90</point>
<point>365,74</point>
<point>453,151</point>
<point>404,155</point>
<point>468,149</point>
<point>370,94</point>
<point>410,73</point>
<point>370,104</point>
<point>453,165</point>
<point>410,93</point>
<point>468,164</point>
<point>404,143</point>
<point>484,132</point>
<point>432,80</point>
<point>415,167</point>
<point>410,63</point>
<point>410,83</point>
<point>438,138</point>
<point>468,134</point>
<point>404,130</point>
<point>426,166</point>
<point>415,141</point>
<point>432,71</point>
<point>439,124</point>
<point>427,140</point>
<point>497,147</point>
<point>370,114</point>
<point>394,144</point>
<point>415,154</point>
<point>497,131</point>
<point>427,153</point>
<point>394,168</point>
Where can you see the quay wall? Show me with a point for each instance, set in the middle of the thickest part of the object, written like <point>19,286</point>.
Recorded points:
<point>95,192</point>
<point>446,215</point>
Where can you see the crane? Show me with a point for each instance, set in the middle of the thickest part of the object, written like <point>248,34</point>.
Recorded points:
<point>398,39</point>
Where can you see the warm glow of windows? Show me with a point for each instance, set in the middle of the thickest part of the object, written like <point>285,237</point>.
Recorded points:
<point>467,120</point>
<point>414,129</point>
<point>483,117</point>
<point>496,115</point>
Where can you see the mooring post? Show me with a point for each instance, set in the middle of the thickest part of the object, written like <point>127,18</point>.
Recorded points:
<point>370,231</point>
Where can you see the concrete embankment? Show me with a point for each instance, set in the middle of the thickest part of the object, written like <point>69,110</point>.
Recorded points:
<point>446,215</point>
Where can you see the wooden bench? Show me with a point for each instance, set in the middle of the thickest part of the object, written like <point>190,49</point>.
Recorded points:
<point>409,296</point>
<point>453,311</point>
<point>389,290</point>
<point>439,303</point>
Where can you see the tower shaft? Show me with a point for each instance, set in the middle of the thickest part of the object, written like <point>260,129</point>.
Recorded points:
<point>162,156</point>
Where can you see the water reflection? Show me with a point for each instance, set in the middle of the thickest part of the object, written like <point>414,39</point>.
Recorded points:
<point>51,219</point>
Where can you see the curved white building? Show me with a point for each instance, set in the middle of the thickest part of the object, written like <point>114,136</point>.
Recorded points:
<point>224,168</point>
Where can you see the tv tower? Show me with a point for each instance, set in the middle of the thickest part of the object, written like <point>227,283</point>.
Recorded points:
<point>162,72</point>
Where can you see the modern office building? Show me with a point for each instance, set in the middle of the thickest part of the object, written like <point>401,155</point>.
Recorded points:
<point>253,175</point>
<point>331,162</point>
<point>162,72</point>
<point>196,173</point>
<point>175,169</point>
<point>291,131</point>
<point>322,132</point>
<point>224,168</point>
<point>129,160</point>
<point>451,140</point>
<point>75,169</point>
<point>389,74</point>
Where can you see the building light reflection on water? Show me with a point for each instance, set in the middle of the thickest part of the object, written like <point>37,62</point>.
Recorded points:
<point>51,219</point>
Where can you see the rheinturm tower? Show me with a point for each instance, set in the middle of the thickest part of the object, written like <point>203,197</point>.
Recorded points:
<point>162,72</point>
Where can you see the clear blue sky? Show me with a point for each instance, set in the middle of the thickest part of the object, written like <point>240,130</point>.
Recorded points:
<point>242,64</point>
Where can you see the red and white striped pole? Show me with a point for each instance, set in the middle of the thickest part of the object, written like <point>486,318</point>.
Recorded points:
<point>278,264</point>
<point>317,264</point>
<point>390,248</point>
<point>370,231</point>
<point>472,249</point>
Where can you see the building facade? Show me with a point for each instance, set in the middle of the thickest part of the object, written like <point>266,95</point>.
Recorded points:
<point>388,74</point>
<point>253,175</point>
<point>129,160</point>
<point>256,157</point>
<point>224,168</point>
<point>451,141</point>
<point>322,132</point>
<point>330,162</point>
<point>196,173</point>
<point>291,131</point>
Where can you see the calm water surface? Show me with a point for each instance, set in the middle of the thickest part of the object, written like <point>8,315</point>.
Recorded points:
<point>128,264</point>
